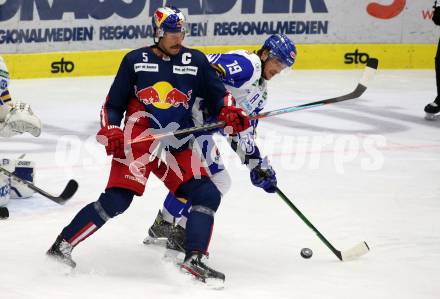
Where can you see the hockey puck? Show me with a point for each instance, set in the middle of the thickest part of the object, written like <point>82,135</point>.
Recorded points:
<point>306,253</point>
<point>4,213</point>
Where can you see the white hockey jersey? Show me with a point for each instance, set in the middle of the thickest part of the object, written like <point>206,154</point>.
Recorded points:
<point>240,71</point>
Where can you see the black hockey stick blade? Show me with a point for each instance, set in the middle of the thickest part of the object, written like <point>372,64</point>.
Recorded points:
<point>67,193</point>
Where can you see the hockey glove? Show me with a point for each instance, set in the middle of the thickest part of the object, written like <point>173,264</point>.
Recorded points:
<point>112,138</point>
<point>263,176</point>
<point>235,119</point>
<point>20,119</point>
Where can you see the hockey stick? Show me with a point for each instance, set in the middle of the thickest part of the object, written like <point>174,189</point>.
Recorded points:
<point>350,254</point>
<point>67,193</point>
<point>368,73</point>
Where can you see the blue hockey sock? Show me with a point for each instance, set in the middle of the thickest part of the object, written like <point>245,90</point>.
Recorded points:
<point>174,205</point>
<point>185,211</point>
<point>93,216</point>
<point>205,199</point>
<point>198,230</point>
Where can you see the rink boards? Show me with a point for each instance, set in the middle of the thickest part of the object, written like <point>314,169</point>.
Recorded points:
<point>320,56</point>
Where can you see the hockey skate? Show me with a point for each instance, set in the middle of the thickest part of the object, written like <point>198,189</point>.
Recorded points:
<point>4,213</point>
<point>159,232</point>
<point>176,245</point>
<point>61,251</point>
<point>176,239</point>
<point>432,110</point>
<point>195,265</point>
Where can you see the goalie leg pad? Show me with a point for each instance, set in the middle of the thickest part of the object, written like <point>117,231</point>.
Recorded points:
<point>5,187</point>
<point>26,171</point>
<point>5,182</point>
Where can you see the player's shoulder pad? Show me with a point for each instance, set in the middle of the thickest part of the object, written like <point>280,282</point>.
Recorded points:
<point>136,54</point>
<point>237,68</point>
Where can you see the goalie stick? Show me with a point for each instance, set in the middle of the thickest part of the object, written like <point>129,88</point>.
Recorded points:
<point>67,193</point>
<point>346,255</point>
<point>368,73</point>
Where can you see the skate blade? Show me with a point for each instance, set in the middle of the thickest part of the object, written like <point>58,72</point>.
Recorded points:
<point>211,283</point>
<point>431,116</point>
<point>155,241</point>
<point>174,256</point>
<point>215,283</point>
<point>60,267</point>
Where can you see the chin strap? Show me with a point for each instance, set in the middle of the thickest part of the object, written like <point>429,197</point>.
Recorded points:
<point>162,51</point>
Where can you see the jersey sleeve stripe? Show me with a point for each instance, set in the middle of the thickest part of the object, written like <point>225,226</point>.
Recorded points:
<point>219,69</point>
<point>5,96</point>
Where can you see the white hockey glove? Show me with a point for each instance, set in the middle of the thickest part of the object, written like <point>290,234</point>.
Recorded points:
<point>19,120</point>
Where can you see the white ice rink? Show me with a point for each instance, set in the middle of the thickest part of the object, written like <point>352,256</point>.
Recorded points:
<point>366,169</point>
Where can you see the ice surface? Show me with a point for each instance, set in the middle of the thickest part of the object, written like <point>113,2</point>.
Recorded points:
<point>366,169</point>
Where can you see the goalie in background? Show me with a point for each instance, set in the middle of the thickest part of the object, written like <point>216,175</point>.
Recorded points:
<point>433,108</point>
<point>15,118</point>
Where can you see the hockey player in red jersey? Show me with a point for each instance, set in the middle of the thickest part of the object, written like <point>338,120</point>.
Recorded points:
<point>156,88</point>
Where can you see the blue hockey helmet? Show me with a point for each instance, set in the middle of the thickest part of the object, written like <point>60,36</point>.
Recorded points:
<point>168,19</point>
<point>282,48</point>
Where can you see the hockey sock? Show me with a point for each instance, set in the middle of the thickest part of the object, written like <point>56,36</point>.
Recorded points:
<point>93,216</point>
<point>173,207</point>
<point>205,199</point>
<point>199,229</point>
<point>185,214</point>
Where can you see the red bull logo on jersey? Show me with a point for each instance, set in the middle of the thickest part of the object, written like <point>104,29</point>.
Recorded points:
<point>163,95</point>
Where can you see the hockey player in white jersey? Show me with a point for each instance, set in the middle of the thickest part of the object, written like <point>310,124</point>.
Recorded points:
<point>244,75</point>
<point>15,118</point>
